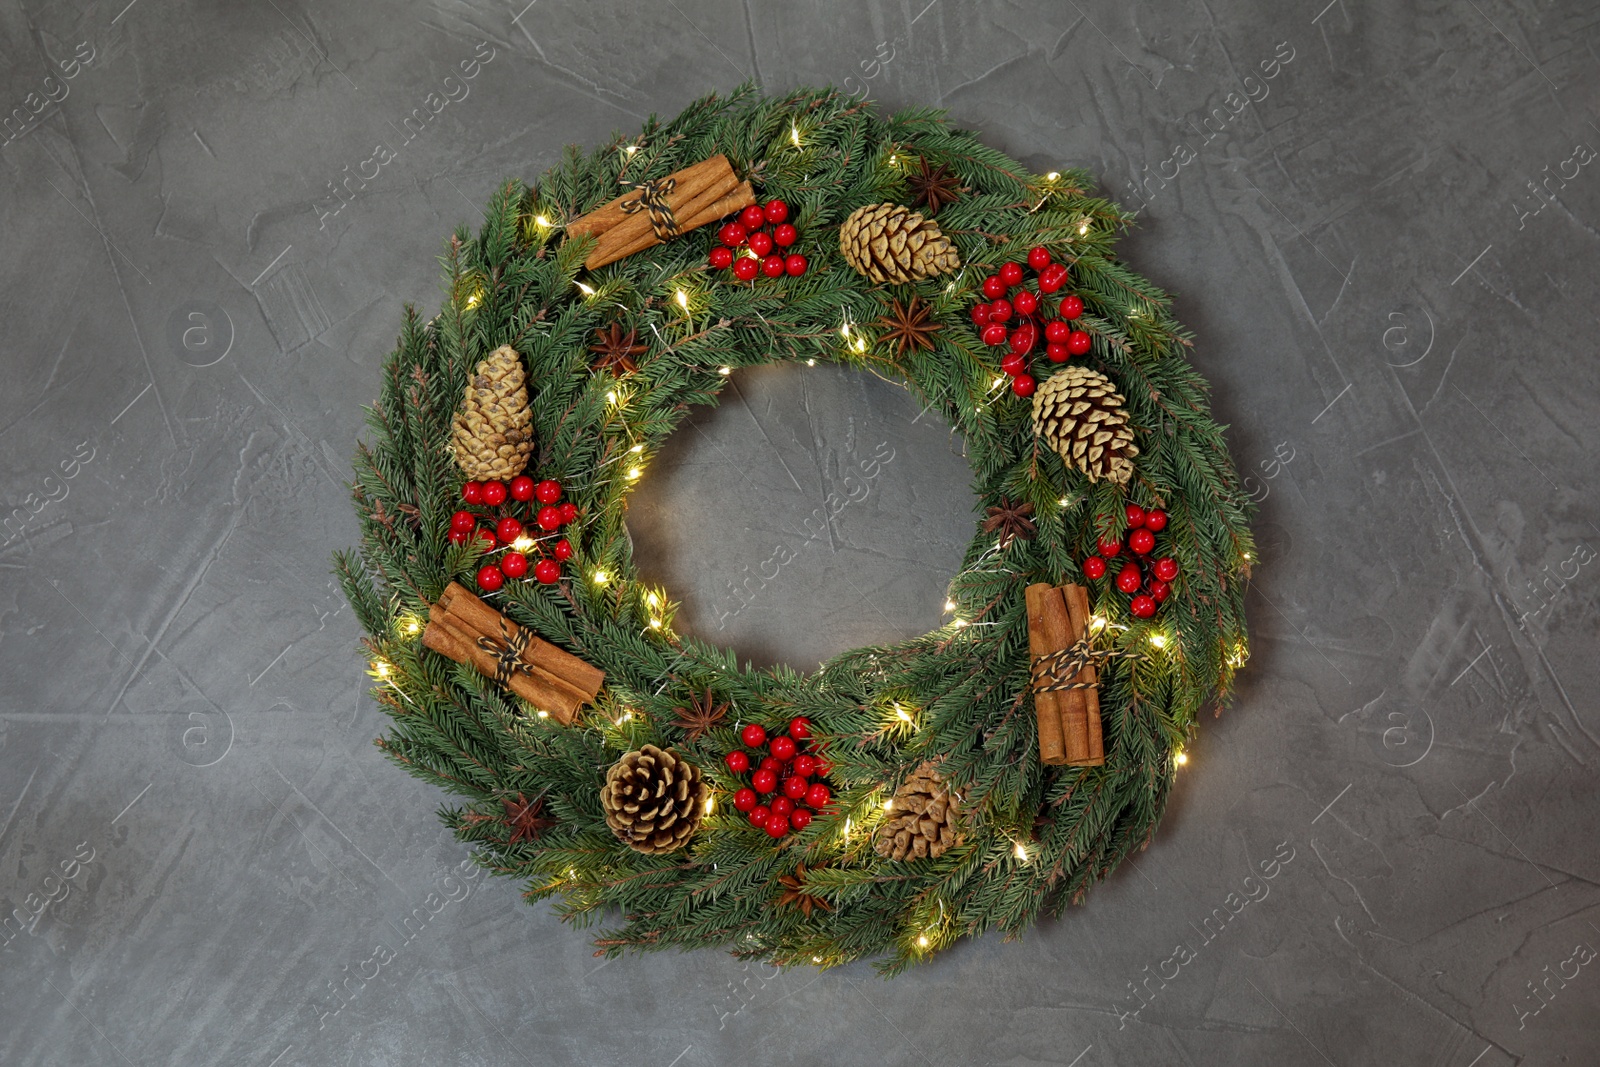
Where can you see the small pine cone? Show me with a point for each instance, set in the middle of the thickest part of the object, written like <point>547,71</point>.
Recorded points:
<point>890,243</point>
<point>654,799</point>
<point>1078,412</point>
<point>494,426</point>
<point>922,821</point>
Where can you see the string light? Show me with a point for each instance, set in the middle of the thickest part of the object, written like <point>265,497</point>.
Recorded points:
<point>587,291</point>
<point>844,330</point>
<point>601,577</point>
<point>382,668</point>
<point>522,544</point>
<point>1064,501</point>
<point>905,716</point>
<point>1097,622</point>
<point>636,449</point>
<point>1052,176</point>
<point>816,959</point>
<point>1181,758</point>
<point>611,396</point>
<point>888,805</point>
<point>794,134</point>
<point>711,803</point>
<point>724,371</point>
<point>1083,229</point>
<point>542,221</point>
<point>631,149</point>
<point>922,942</point>
<point>655,624</point>
<point>949,605</point>
<point>861,344</point>
<point>960,623</point>
<point>472,301</point>
<point>811,363</point>
<point>634,472</point>
<point>683,299</point>
<point>1022,851</point>
<point>413,626</point>
<point>543,714</point>
<point>652,599</point>
<point>1158,640</point>
<point>998,382</point>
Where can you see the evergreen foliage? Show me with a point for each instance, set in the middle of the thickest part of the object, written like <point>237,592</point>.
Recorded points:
<point>1039,836</point>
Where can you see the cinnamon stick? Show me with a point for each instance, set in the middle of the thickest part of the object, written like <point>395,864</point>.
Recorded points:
<point>446,636</point>
<point>610,213</point>
<point>704,211</point>
<point>694,193</point>
<point>484,621</point>
<point>1077,599</point>
<point>1046,706</point>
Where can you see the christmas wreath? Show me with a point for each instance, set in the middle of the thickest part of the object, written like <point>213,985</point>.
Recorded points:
<point>899,797</point>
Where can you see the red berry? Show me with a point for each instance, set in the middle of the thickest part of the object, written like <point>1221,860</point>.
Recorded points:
<point>563,549</point>
<point>994,288</point>
<point>547,491</point>
<point>782,805</point>
<point>761,242</point>
<point>754,735</point>
<point>764,781</point>
<point>731,234</point>
<point>775,211</point>
<point>1160,590</point>
<point>1014,363</point>
<point>549,517</point>
<point>1057,331</point>
<point>1108,546</point>
<point>1135,515</point>
<point>772,266</point>
<point>460,537</point>
<point>1129,579</point>
<point>569,512</point>
<point>1038,257</point>
<point>508,530</point>
<point>994,334</point>
<point>1166,568</point>
<point>794,788</point>
<point>1000,310</point>
<point>494,493</point>
<point>1026,302</point>
<point>746,268</point>
<point>514,564</point>
<point>1071,307</point>
<point>1094,567</point>
<point>1024,385</point>
<point>472,492</point>
<point>785,235</point>
<point>770,763</point>
<point>1023,337</point>
<point>980,315</point>
<point>805,765</point>
<point>1143,606</point>
<point>1078,342</point>
<point>752,218</point>
<point>777,825</point>
<point>1155,521</point>
<point>490,578</point>
<point>721,257</point>
<point>1011,273</point>
<point>1057,353</point>
<point>1052,278</point>
<point>795,264</point>
<point>823,767</point>
<point>758,816</point>
<point>800,819</point>
<point>547,571</point>
<point>782,747</point>
<point>486,539</point>
<point>1142,541</point>
<point>799,727</point>
<point>745,799</point>
<point>463,520</point>
<point>738,762</point>
<point>818,796</point>
<point>522,488</point>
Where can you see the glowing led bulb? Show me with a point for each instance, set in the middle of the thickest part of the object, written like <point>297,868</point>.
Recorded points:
<point>1021,850</point>
<point>1158,640</point>
<point>587,291</point>
<point>683,299</point>
<point>1181,758</point>
<point>724,371</point>
<point>1052,176</point>
<point>949,605</point>
<point>636,449</point>
<point>541,220</point>
<point>922,941</point>
<point>794,135</point>
<point>601,577</point>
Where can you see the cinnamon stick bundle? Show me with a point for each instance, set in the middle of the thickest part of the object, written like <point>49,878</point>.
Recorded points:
<point>467,630</point>
<point>1069,720</point>
<point>700,193</point>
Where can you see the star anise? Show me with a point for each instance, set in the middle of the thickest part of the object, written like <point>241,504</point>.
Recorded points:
<point>933,186</point>
<point>701,715</point>
<point>908,326</point>
<point>794,892</point>
<point>616,350</point>
<point>526,818</point>
<point>1011,519</point>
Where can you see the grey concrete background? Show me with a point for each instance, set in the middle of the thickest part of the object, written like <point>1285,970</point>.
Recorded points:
<point>1387,251</point>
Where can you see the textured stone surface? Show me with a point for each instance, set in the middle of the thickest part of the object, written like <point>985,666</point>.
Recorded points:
<point>206,862</point>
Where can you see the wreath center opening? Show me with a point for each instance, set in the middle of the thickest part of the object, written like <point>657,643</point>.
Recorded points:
<point>816,509</point>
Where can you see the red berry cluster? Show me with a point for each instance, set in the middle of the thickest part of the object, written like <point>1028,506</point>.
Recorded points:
<point>750,231</point>
<point>1148,582</point>
<point>501,527</point>
<point>1018,321</point>
<point>795,776</point>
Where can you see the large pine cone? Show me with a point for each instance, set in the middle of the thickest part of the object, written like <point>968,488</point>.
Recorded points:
<point>890,243</point>
<point>654,799</point>
<point>922,820</point>
<point>494,427</point>
<point>1078,412</point>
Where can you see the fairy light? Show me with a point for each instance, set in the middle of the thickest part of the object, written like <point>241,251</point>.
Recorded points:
<point>381,668</point>
<point>634,472</point>
<point>1053,176</point>
<point>844,330</point>
<point>904,715</point>
<point>522,544</point>
<point>892,160</point>
<point>998,382</point>
<point>1083,229</point>
<point>587,290</point>
<point>847,825</point>
<point>711,803</point>
<point>683,299</point>
<point>542,221</point>
<point>601,577</point>
<point>724,371</point>
<point>611,396</point>
<point>861,344</point>
<point>794,134</point>
<point>1021,851</point>
<point>1158,640</point>
<point>543,714</point>
<point>652,599</point>
<point>922,941</point>
<point>816,959</point>
<point>888,805</point>
<point>474,299</point>
<point>655,624</point>
<point>811,363</point>
<point>1063,501</point>
<point>959,623</point>
<point>1181,758</point>
<point>413,626</point>
<point>1097,623</point>
<point>1247,557</point>
<point>636,449</point>
<point>631,149</point>
<point>949,605</point>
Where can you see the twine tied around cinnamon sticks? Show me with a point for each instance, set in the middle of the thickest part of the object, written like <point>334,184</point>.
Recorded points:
<point>469,631</point>
<point>1057,672</point>
<point>1067,704</point>
<point>653,198</point>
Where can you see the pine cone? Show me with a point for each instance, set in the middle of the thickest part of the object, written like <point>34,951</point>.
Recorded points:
<point>890,243</point>
<point>494,425</point>
<point>654,799</point>
<point>1078,412</point>
<point>922,820</point>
